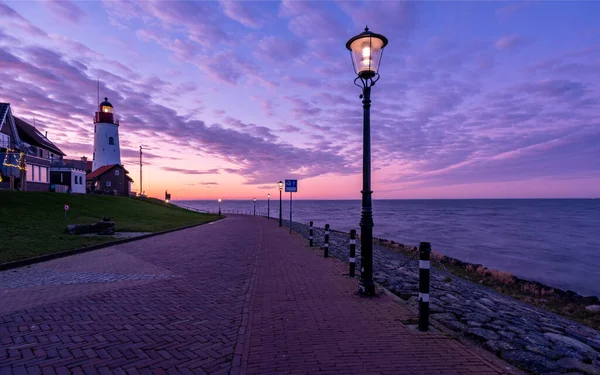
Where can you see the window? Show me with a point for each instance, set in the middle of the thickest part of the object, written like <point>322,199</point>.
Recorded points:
<point>117,172</point>
<point>107,183</point>
<point>44,174</point>
<point>111,141</point>
<point>81,180</point>
<point>38,173</point>
<point>94,128</point>
<point>61,178</point>
<point>29,172</point>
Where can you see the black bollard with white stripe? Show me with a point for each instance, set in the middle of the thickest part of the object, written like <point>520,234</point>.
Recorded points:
<point>310,234</point>
<point>326,245</point>
<point>424,256</point>
<point>352,261</point>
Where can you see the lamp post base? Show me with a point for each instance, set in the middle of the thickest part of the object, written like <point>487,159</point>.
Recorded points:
<point>366,288</point>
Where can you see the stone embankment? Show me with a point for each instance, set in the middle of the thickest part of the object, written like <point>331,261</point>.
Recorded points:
<point>533,339</point>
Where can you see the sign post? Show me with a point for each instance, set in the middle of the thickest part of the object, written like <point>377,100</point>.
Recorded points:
<point>292,187</point>
<point>66,209</point>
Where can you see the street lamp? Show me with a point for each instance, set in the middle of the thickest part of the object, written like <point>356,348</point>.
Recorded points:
<point>366,49</point>
<point>254,206</point>
<point>268,206</point>
<point>280,183</point>
<point>219,206</point>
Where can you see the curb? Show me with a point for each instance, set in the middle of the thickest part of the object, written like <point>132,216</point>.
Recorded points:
<point>62,254</point>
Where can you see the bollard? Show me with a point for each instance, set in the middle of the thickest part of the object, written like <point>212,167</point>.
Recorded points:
<point>326,245</point>
<point>424,255</point>
<point>352,261</point>
<point>310,234</point>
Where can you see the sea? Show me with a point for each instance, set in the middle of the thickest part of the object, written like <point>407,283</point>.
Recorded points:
<point>553,241</point>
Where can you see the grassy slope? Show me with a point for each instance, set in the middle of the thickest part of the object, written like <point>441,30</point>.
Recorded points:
<point>33,224</point>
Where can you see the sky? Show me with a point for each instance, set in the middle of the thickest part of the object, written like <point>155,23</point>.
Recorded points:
<point>475,100</point>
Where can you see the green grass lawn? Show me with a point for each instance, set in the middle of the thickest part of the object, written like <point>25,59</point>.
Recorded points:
<point>33,224</point>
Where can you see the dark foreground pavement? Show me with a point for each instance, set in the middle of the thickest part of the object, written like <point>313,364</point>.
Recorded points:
<point>239,296</point>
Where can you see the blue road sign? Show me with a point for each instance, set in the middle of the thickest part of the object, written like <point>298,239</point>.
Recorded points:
<point>291,186</point>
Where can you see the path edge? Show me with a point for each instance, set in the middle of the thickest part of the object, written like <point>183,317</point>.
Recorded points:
<point>81,250</point>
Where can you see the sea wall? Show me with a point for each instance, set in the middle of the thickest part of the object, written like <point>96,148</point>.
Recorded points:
<point>531,338</point>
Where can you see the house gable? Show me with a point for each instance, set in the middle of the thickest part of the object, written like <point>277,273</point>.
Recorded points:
<point>8,126</point>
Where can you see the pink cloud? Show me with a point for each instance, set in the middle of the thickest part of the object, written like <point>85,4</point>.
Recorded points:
<point>245,12</point>
<point>66,10</point>
<point>509,42</point>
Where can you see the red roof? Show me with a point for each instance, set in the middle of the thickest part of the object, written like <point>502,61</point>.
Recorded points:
<point>100,171</point>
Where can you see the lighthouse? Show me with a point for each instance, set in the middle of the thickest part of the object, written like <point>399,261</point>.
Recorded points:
<point>106,137</point>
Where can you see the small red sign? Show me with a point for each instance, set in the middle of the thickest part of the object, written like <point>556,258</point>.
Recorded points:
<point>66,207</point>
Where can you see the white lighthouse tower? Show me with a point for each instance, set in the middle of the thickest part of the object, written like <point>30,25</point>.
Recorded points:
<point>106,137</point>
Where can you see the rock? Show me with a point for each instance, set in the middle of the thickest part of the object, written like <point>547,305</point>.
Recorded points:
<point>545,351</point>
<point>506,335</point>
<point>474,324</point>
<point>475,317</point>
<point>497,346</point>
<point>443,316</point>
<point>493,327</point>
<point>434,308</point>
<point>535,339</point>
<point>530,361</point>
<point>487,302</point>
<point>517,330</point>
<point>482,334</point>
<point>454,325</point>
<point>568,341</point>
<point>593,308</point>
<point>577,365</point>
<point>483,308</point>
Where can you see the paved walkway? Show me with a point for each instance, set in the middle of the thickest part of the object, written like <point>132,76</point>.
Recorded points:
<point>239,296</point>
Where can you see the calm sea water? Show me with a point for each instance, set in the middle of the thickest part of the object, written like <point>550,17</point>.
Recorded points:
<point>553,241</point>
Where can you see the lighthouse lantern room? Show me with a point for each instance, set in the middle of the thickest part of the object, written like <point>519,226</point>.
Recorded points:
<point>106,137</point>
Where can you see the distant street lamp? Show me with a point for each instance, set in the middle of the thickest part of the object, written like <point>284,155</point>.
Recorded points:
<point>254,206</point>
<point>268,206</point>
<point>280,183</point>
<point>366,50</point>
<point>219,206</point>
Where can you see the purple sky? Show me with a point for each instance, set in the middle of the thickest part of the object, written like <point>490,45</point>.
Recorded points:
<point>476,99</point>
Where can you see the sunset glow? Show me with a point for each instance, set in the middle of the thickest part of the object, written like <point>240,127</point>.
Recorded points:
<point>475,100</point>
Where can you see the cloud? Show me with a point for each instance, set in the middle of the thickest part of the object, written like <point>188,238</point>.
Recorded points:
<point>264,104</point>
<point>190,171</point>
<point>279,49</point>
<point>560,89</point>
<point>245,12</point>
<point>66,10</point>
<point>510,42</point>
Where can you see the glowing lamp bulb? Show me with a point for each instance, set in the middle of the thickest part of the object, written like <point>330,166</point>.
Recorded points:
<point>366,52</point>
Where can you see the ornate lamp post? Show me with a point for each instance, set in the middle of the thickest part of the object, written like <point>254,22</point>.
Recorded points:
<point>219,206</point>
<point>280,183</point>
<point>366,49</point>
<point>268,206</point>
<point>254,206</point>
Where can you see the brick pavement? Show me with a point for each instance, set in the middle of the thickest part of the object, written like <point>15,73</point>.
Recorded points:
<point>306,318</point>
<point>237,296</point>
<point>184,319</point>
